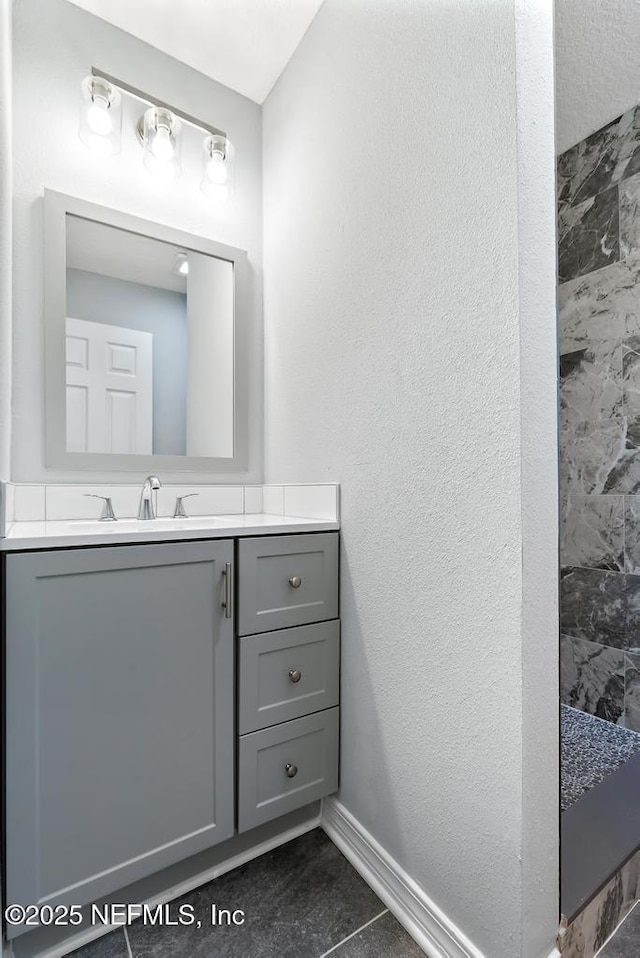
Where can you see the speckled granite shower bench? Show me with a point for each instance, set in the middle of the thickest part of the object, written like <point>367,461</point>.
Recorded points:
<point>591,750</point>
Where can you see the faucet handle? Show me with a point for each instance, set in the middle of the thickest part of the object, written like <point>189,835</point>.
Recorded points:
<point>179,510</point>
<point>106,514</point>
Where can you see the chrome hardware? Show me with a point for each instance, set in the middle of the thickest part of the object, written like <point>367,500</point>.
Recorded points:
<point>146,509</point>
<point>295,581</point>
<point>295,675</point>
<point>227,605</point>
<point>291,770</point>
<point>179,510</point>
<point>106,514</point>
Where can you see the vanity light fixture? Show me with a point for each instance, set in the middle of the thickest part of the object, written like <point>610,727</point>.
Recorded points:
<point>180,264</point>
<point>100,116</point>
<point>217,167</point>
<point>159,130</point>
<point>159,133</point>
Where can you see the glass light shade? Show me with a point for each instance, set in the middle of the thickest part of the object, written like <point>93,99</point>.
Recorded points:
<point>100,117</point>
<point>181,264</point>
<point>218,168</point>
<point>161,143</point>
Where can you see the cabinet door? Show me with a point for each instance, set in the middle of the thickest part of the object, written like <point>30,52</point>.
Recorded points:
<point>119,715</point>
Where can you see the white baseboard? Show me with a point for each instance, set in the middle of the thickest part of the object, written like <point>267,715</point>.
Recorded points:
<point>436,934</point>
<point>183,888</point>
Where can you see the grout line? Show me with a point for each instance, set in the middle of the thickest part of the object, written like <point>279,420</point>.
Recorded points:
<point>126,938</point>
<point>352,935</point>
<point>621,258</point>
<point>613,933</point>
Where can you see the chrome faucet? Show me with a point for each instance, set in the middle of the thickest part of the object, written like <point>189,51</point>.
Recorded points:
<point>146,508</point>
<point>107,514</point>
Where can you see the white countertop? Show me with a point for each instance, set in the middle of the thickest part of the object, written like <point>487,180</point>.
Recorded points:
<point>87,532</point>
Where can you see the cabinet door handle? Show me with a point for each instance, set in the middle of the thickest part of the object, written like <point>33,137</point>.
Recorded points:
<point>227,605</point>
<point>295,675</point>
<point>295,581</point>
<point>291,770</point>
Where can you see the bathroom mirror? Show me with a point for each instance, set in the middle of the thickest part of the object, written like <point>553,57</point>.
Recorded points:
<point>145,344</point>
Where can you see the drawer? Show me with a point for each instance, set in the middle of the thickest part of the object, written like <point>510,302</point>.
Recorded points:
<point>286,581</point>
<point>286,674</point>
<point>309,746</point>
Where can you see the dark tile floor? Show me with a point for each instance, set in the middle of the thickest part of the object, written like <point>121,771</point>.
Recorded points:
<point>302,900</point>
<point>626,941</point>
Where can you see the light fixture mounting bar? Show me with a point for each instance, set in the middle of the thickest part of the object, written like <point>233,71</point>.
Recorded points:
<point>153,101</point>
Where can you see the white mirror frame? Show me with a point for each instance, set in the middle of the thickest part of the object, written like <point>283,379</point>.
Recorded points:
<point>56,208</point>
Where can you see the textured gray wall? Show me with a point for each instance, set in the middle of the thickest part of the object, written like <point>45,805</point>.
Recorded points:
<point>5,239</point>
<point>408,218</point>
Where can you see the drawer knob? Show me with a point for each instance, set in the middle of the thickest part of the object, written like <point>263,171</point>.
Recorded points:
<point>291,770</point>
<point>295,675</point>
<point>295,581</point>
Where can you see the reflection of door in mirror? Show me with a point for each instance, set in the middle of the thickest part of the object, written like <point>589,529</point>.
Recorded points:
<point>127,290</point>
<point>109,388</point>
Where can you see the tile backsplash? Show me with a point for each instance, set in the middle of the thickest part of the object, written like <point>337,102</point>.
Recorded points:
<point>77,502</point>
<point>316,502</point>
<point>311,502</point>
<point>273,500</point>
<point>204,501</point>
<point>28,502</point>
<point>37,503</point>
<point>253,500</point>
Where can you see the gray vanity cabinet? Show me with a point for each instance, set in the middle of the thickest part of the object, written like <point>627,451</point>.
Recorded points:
<point>288,674</point>
<point>120,715</point>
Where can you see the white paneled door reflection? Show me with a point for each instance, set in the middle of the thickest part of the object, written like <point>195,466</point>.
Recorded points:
<point>109,388</point>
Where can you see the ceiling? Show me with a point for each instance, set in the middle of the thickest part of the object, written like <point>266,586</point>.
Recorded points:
<point>244,44</point>
<point>98,248</point>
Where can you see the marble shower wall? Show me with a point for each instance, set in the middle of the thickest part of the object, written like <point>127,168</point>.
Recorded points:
<point>599,333</point>
<point>589,931</point>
